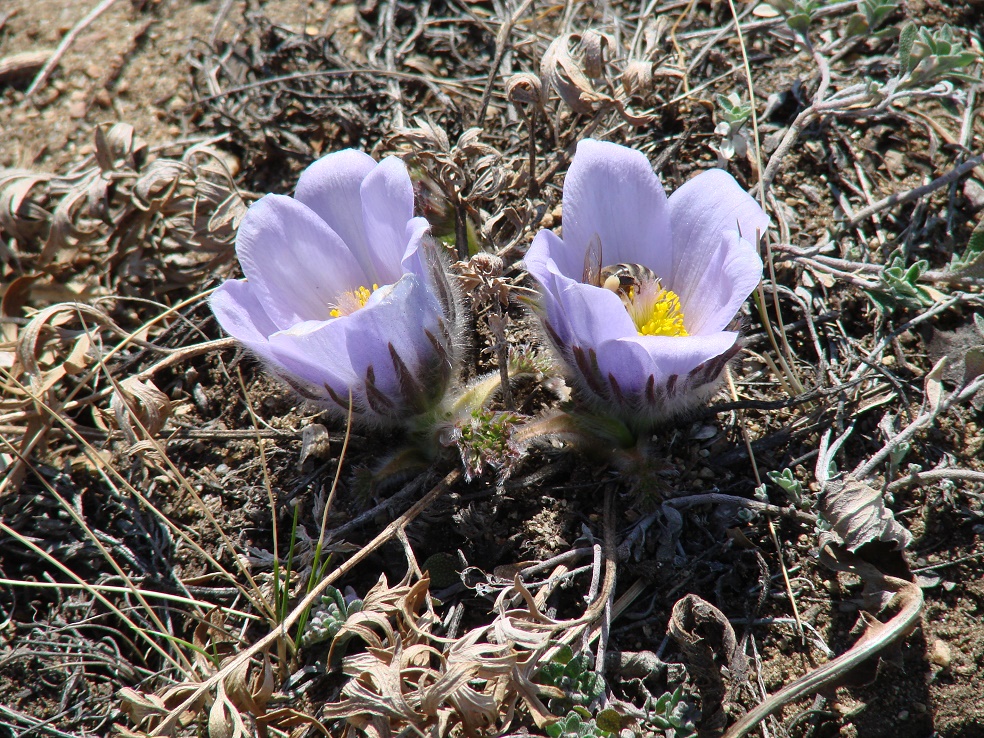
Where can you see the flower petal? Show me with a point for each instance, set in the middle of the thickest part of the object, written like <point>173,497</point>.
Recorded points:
<point>241,315</point>
<point>729,276</point>
<point>399,320</point>
<point>701,211</point>
<point>331,187</point>
<point>680,355</point>
<point>340,352</point>
<point>613,192</point>
<point>416,230</point>
<point>295,263</point>
<point>387,207</point>
<point>312,353</point>
<point>652,378</point>
<point>576,312</point>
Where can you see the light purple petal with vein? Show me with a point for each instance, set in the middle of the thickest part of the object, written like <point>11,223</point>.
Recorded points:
<point>729,276</point>
<point>331,187</point>
<point>633,360</point>
<point>242,317</point>
<point>417,229</point>
<point>387,207</point>
<point>591,314</point>
<point>701,211</point>
<point>295,263</point>
<point>312,351</point>
<point>338,352</point>
<point>612,190</point>
<point>400,319</point>
<point>682,354</point>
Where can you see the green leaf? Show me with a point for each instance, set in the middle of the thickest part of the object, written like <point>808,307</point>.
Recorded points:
<point>799,22</point>
<point>972,259</point>
<point>563,656</point>
<point>857,25</point>
<point>906,38</point>
<point>609,720</point>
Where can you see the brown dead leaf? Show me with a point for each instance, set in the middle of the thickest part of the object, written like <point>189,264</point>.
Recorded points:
<point>858,515</point>
<point>565,72</point>
<point>139,406</point>
<point>709,646</point>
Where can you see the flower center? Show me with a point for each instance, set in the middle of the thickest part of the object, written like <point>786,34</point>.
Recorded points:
<point>349,302</point>
<point>654,310</point>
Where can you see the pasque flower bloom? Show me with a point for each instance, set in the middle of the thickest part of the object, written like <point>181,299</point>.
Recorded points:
<point>340,299</point>
<point>638,295</point>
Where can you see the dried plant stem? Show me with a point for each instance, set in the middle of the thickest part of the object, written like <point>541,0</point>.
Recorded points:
<point>123,616</point>
<point>717,498</point>
<point>49,67</point>
<point>911,599</point>
<point>872,357</point>
<point>148,593</point>
<point>497,324</point>
<point>534,188</point>
<point>170,723</point>
<point>935,475</point>
<point>267,484</point>
<point>771,524</point>
<point>338,474</point>
<point>501,46</point>
<point>866,468</point>
<point>109,472</point>
<point>751,100</point>
<point>917,192</point>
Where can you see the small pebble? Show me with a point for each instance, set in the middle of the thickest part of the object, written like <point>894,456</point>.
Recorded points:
<point>939,653</point>
<point>974,193</point>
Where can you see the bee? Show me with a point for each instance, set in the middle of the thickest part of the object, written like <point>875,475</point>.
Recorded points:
<point>622,279</point>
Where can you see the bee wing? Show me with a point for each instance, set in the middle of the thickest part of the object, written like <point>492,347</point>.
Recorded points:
<point>592,262</point>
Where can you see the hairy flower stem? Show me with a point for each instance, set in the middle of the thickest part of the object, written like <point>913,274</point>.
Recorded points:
<point>497,324</point>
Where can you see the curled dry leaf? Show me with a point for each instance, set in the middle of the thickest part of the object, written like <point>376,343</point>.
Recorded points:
<point>124,205</point>
<point>138,706</point>
<point>934,386</point>
<point>224,719</point>
<point>858,515</point>
<point>139,405</point>
<point>315,443</point>
<point>524,89</point>
<point>637,77</point>
<point>905,595</point>
<point>567,73</point>
<point>250,690</point>
<point>596,48</point>
<point>701,631</point>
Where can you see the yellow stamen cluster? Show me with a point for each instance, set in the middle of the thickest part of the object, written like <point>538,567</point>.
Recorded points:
<point>655,311</point>
<point>349,302</point>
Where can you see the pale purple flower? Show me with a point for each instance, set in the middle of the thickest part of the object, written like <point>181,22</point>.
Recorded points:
<point>655,340</point>
<point>339,298</point>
